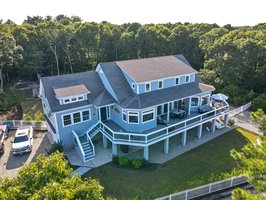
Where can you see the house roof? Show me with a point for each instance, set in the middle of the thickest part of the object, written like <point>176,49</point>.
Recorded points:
<point>71,91</point>
<point>147,69</point>
<point>97,96</point>
<point>128,99</point>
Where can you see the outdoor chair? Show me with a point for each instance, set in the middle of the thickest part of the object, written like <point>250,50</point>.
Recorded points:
<point>160,120</point>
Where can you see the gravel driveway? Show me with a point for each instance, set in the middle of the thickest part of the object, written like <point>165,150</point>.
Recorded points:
<point>9,164</point>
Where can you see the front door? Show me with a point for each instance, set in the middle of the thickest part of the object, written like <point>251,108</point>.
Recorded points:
<point>103,114</point>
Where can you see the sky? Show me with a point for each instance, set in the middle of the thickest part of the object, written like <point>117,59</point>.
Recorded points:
<point>221,12</point>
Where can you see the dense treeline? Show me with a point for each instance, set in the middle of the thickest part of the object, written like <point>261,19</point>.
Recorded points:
<point>232,59</point>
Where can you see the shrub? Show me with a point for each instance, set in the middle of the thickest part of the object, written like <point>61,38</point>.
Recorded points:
<point>231,122</point>
<point>124,148</point>
<point>259,102</point>
<point>115,159</point>
<point>56,147</point>
<point>124,161</point>
<point>137,163</point>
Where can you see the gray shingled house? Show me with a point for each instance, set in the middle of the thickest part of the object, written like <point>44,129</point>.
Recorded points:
<point>133,102</point>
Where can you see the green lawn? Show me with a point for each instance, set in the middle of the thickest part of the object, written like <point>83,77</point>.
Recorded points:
<point>204,164</point>
<point>31,108</point>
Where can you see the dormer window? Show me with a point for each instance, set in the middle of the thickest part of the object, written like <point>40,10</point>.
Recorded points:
<point>187,79</point>
<point>177,81</point>
<point>147,87</point>
<point>160,84</point>
<point>71,94</point>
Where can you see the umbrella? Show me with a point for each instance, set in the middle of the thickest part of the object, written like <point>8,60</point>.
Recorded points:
<point>220,97</point>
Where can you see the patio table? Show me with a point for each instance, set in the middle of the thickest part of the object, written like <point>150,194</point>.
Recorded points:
<point>178,112</point>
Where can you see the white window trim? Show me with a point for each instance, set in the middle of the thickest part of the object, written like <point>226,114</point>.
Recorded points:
<point>149,87</point>
<point>145,112</point>
<point>177,77</point>
<point>72,118</point>
<point>198,102</point>
<point>124,112</point>
<point>133,113</point>
<point>186,78</point>
<point>72,97</point>
<point>159,84</point>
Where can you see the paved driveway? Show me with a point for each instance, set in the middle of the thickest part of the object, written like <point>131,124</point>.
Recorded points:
<point>9,164</point>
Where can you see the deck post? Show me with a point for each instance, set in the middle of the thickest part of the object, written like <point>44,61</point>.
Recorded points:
<point>168,109</point>
<point>146,153</point>
<point>225,119</point>
<point>213,125</point>
<point>166,145</point>
<point>104,142</point>
<point>114,149</point>
<point>199,132</point>
<point>184,138</point>
<point>189,105</point>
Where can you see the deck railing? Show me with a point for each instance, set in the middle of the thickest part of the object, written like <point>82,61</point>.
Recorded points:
<point>206,189</point>
<point>140,138</point>
<point>239,110</point>
<point>14,124</point>
<point>78,146</point>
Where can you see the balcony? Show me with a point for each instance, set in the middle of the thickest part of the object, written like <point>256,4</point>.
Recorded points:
<point>173,127</point>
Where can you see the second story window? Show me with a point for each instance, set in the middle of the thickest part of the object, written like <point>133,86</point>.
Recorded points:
<point>147,87</point>
<point>177,81</point>
<point>76,117</point>
<point>160,84</point>
<point>124,116</point>
<point>187,79</point>
<point>133,117</point>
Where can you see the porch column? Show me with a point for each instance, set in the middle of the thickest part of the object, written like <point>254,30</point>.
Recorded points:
<point>168,113</point>
<point>189,105</point>
<point>184,138</point>
<point>104,142</point>
<point>199,132</point>
<point>146,153</point>
<point>114,149</point>
<point>225,119</point>
<point>166,146</point>
<point>213,125</point>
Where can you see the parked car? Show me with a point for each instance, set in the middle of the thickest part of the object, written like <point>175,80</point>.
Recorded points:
<point>4,128</point>
<point>23,140</point>
<point>2,141</point>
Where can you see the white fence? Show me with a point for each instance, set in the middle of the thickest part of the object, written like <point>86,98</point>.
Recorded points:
<point>206,189</point>
<point>14,124</point>
<point>239,110</point>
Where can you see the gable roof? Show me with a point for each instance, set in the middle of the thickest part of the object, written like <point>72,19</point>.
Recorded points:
<point>147,69</point>
<point>97,96</point>
<point>71,91</point>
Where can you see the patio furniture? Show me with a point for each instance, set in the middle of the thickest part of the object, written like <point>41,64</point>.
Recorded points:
<point>204,108</point>
<point>160,120</point>
<point>178,113</point>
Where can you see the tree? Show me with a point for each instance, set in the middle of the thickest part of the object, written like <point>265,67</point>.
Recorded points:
<point>259,117</point>
<point>10,54</point>
<point>49,178</point>
<point>48,34</point>
<point>251,160</point>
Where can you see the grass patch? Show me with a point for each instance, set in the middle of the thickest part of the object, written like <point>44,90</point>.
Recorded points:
<point>31,108</point>
<point>207,163</point>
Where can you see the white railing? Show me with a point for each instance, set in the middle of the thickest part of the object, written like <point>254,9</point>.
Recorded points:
<point>13,124</point>
<point>166,131</point>
<point>80,149</point>
<point>91,128</point>
<point>93,148</point>
<point>239,110</point>
<point>206,189</point>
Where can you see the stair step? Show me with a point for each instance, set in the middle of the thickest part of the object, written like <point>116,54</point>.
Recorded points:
<point>87,150</point>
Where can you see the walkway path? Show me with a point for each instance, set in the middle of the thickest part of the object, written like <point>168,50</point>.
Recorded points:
<point>243,120</point>
<point>81,171</point>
